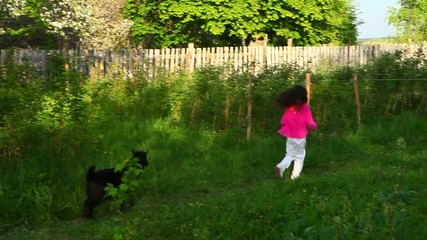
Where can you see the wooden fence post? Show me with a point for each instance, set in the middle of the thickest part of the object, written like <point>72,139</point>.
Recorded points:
<point>90,65</point>
<point>349,53</point>
<point>44,64</point>
<point>356,96</point>
<point>190,58</point>
<point>308,85</point>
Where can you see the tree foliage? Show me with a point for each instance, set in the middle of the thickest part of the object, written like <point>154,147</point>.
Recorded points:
<point>64,20</point>
<point>21,25</point>
<point>168,23</point>
<point>88,23</point>
<point>410,20</point>
<point>110,30</point>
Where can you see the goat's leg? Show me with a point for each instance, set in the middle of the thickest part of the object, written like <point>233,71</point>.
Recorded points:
<point>95,196</point>
<point>88,209</point>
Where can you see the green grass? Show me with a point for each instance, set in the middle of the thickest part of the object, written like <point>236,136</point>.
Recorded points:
<point>367,184</point>
<point>204,180</point>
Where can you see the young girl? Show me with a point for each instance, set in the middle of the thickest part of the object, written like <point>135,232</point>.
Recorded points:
<point>294,123</point>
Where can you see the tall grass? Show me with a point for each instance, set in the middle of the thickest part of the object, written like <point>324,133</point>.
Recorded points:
<point>352,187</point>
<point>204,180</point>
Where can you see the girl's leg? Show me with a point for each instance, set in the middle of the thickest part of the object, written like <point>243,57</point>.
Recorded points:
<point>281,167</point>
<point>298,164</point>
<point>299,158</point>
<point>292,145</point>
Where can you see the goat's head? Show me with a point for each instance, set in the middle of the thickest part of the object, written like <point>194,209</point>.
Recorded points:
<point>142,156</point>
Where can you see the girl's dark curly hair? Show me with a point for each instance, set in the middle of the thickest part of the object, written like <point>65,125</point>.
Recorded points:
<point>292,96</point>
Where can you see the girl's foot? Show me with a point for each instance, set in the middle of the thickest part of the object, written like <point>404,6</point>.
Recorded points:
<point>277,172</point>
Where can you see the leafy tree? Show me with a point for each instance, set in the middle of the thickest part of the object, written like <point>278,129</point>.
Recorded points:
<point>410,20</point>
<point>111,30</point>
<point>22,26</point>
<point>165,23</point>
<point>65,20</point>
<point>95,24</point>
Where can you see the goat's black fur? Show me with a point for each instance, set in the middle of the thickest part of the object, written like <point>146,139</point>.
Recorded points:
<point>96,181</point>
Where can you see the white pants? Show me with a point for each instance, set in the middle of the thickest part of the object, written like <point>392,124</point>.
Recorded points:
<point>295,151</point>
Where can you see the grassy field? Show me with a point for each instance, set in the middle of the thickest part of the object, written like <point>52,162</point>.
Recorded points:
<point>205,181</point>
<point>368,184</point>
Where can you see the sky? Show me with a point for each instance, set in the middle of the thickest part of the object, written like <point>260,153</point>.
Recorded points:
<point>373,13</point>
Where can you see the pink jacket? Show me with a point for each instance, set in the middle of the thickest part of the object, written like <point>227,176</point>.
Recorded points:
<point>295,122</point>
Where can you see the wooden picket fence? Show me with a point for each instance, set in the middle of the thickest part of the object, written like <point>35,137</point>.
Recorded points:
<point>97,63</point>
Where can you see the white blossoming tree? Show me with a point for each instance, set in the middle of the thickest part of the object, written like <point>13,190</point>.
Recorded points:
<point>67,18</point>
<point>111,30</point>
<point>89,23</point>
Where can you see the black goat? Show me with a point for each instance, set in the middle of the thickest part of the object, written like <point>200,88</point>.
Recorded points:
<point>96,181</point>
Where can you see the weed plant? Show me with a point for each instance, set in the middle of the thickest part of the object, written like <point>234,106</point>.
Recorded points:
<point>205,181</point>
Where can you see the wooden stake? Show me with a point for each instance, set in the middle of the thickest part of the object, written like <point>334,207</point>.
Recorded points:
<point>67,56</point>
<point>308,85</point>
<point>194,109</point>
<point>356,96</point>
<point>240,113</point>
<point>227,111</point>
<point>249,118</point>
